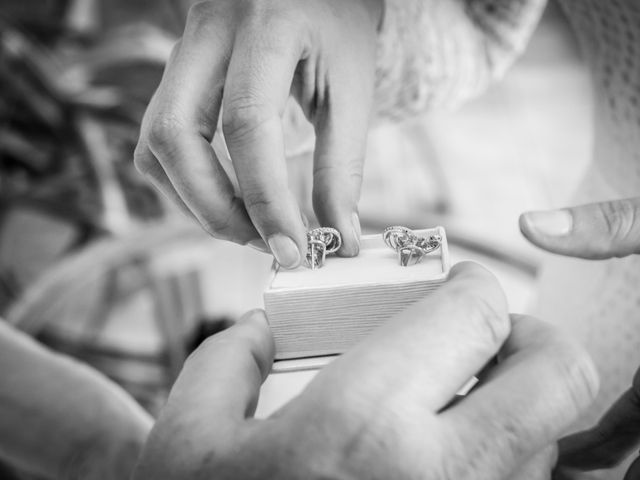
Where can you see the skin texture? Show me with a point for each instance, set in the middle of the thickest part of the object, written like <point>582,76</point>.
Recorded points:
<point>595,231</point>
<point>237,63</point>
<point>382,410</point>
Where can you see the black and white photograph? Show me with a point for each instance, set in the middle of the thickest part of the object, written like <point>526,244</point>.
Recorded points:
<point>320,240</point>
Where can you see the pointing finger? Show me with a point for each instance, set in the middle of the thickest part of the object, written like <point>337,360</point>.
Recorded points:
<point>594,231</point>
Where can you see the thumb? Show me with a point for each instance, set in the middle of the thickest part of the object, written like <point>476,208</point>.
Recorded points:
<point>593,231</point>
<point>225,373</point>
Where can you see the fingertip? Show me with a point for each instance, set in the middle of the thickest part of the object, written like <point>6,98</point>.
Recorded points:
<point>335,206</point>
<point>470,272</point>
<point>350,244</point>
<point>523,223</point>
<point>285,250</point>
<point>349,228</point>
<point>527,229</point>
<point>549,223</point>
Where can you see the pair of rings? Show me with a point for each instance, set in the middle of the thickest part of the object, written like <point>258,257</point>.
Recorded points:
<point>410,247</point>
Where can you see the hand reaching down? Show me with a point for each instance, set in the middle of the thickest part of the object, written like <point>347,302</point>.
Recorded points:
<point>240,60</point>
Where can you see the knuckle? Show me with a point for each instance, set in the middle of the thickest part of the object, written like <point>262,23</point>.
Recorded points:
<point>350,170</point>
<point>212,22</point>
<point>163,130</point>
<point>620,217</point>
<point>241,116</point>
<point>201,13</point>
<point>217,227</point>
<point>220,226</point>
<point>576,373</point>
<point>255,200</point>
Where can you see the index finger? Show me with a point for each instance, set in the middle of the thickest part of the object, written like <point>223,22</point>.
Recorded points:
<point>258,85</point>
<point>595,231</point>
<point>182,121</point>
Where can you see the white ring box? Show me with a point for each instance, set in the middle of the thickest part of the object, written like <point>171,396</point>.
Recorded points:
<point>316,315</point>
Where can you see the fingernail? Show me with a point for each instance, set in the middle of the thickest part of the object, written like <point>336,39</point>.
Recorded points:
<point>555,223</point>
<point>258,244</point>
<point>285,250</point>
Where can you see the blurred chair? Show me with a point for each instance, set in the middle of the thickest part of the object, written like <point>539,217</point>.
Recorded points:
<point>130,306</point>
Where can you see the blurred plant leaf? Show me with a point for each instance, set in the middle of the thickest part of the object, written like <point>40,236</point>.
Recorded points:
<point>70,106</point>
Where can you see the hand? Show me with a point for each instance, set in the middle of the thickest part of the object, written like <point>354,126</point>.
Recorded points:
<point>596,231</point>
<point>61,419</point>
<point>244,57</point>
<point>382,410</point>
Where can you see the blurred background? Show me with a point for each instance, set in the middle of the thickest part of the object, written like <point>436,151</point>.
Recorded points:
<point>94,263</point>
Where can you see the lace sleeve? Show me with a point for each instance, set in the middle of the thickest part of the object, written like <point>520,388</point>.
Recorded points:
<point>439,53</point>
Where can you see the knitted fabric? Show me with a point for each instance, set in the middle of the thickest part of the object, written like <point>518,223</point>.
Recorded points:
<point>439,53</point>
<point>436,53</point>
<point>599,302</point>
